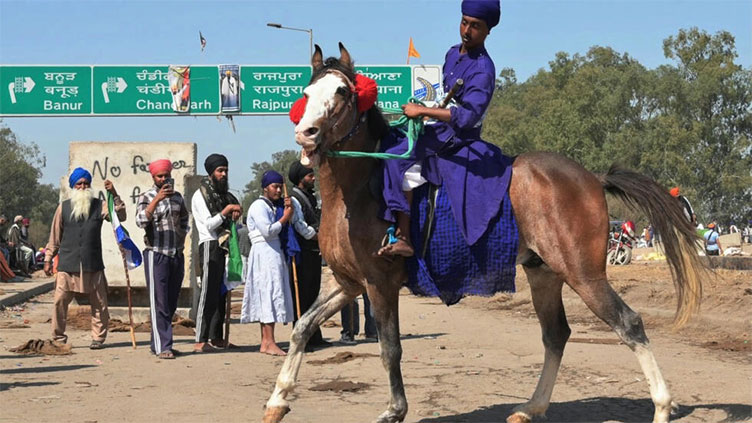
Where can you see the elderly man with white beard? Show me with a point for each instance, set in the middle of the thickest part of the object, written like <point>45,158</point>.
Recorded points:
<point>75,237</point>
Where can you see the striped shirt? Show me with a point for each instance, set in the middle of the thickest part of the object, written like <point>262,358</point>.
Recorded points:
<point>167,228</point>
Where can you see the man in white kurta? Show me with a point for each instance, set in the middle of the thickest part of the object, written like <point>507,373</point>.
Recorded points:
<point>267,298</point>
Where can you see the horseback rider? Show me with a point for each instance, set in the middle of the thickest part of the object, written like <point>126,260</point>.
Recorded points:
<point>450,151</point>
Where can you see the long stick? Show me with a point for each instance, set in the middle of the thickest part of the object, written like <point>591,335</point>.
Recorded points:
<point>130,302</point>
<point>228,310</point>
<point>294,272</point>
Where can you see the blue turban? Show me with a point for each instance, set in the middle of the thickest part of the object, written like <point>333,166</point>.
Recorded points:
<point>487,10</point>
<point>77,174</point>
<point>271,177</point>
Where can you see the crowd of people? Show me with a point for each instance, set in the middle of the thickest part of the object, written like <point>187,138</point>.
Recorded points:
<point>278,244</point>
<point>18,256</point>
<point>709,232</point>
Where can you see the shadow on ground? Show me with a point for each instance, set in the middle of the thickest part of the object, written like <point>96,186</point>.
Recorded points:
<point>6,386</point>
<point>598,409</point>
<point>45,369</point>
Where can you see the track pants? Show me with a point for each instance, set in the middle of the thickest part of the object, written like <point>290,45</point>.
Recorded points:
<point>164,276</point>
<point>211,305</point>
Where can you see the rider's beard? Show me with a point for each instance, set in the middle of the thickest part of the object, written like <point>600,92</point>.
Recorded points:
<point>81,203</point>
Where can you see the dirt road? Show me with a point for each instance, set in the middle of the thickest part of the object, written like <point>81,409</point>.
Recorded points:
<point>472,362</point>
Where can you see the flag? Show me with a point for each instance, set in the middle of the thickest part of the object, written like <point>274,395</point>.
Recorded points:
<point>132,254</point>
<point>411,51</point>
<point>203,41</point>
<point>234,273</point>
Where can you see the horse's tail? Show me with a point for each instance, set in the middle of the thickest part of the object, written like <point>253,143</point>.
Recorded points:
<point>678,235</point>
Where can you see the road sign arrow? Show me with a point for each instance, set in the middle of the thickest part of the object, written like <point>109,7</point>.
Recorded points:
<point>121,85</point>
<point>28,84</point>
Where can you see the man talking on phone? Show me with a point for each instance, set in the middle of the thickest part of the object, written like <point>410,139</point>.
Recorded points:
<point>162,213</point>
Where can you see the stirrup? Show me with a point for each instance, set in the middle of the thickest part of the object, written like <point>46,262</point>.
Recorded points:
<point>390,237</point>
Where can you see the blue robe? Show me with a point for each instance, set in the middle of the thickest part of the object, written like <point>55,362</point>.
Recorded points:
<point>475,173</point>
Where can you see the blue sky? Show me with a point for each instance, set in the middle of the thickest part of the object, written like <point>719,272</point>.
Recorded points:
<point>375,32</point>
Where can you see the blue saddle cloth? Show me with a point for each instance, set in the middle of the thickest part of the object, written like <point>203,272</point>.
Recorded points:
<point>450,269</point>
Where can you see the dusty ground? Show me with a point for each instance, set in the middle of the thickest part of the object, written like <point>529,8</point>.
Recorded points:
<point>472,362</point>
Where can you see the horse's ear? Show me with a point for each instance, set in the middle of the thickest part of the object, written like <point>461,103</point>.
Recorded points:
<point>344,56</point>
<point>317,60</point>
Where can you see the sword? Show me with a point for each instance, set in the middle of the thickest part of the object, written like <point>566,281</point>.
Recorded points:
<point>450,95</point>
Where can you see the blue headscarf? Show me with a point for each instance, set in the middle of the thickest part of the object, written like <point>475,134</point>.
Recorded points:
<point>271,177</point>
<point>487,10</point>
<point>287,238</point>
<point>77,174</point>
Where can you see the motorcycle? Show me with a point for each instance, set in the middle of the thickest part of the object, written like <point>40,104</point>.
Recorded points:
<point>620,244</point>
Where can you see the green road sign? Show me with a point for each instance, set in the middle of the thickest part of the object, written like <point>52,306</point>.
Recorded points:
<point>272,89</point>
<point>161,90</point>
<point>394,83</point>
<point>45,90</point>
<point>148,90</point>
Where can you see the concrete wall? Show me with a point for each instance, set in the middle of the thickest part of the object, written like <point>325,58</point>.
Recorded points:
<point>731,240</point>
<point>126,165</point>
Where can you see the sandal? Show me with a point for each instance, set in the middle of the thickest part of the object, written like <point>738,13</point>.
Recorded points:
<point>221,345</point>
<point>166,355</point>
<point>204,348</point>
<point>96,345</point>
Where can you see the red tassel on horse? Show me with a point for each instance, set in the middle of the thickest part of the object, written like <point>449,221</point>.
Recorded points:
<point>367,92</point>
<point>297,110</point>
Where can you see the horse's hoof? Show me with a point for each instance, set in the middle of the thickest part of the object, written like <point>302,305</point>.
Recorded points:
<point>390,417</point>
<point>518,418</point>
<point>275,414</point>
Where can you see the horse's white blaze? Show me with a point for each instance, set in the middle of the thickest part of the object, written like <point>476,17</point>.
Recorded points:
<point>321,98</point>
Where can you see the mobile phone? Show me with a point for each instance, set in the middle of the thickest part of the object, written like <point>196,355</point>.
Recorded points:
<point>170,182</point>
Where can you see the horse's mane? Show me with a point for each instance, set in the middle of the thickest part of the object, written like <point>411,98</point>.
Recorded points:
<point>332,63</point>
<point>377,125</point>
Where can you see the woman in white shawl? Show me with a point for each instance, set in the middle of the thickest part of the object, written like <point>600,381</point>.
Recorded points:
<point>267,298</point>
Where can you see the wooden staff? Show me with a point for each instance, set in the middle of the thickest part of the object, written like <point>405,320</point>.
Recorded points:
<point>294,271</point>
<point>130,302</point>
<point>228,311</point>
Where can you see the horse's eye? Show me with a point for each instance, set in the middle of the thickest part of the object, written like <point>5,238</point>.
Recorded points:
<point>343,91</point>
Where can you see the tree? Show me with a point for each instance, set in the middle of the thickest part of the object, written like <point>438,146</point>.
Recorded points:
<point>706,111</point>
<point>281,162</point>
<point>686,124</point>
<point>22,194</point>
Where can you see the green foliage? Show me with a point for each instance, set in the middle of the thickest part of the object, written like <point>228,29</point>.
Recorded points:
<point>281,162</point>
<point>22,194</point>
<point>687,124</point>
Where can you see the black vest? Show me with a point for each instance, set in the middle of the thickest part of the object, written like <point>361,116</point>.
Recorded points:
<point>312,216</point>
<point>81,246</point>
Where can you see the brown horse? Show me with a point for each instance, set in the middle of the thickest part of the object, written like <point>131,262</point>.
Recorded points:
<point>562,217</point>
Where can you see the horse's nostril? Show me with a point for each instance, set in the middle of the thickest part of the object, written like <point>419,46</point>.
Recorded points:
<point>311,131</point>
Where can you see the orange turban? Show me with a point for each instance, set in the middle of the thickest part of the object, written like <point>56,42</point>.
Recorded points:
<point>158,166</point>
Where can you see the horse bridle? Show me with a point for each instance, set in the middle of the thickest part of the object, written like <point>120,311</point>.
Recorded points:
<point>350,103</point>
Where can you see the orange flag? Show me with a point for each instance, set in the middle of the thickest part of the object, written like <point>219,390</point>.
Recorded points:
<point>411,51</point>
